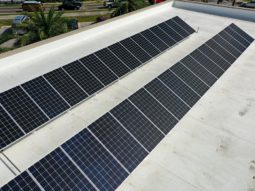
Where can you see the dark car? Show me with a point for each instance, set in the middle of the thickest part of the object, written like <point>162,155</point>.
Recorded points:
<point>248,4</point>
<point>70,5</point>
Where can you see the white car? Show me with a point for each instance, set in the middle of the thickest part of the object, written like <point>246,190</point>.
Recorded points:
<point>17,21</point>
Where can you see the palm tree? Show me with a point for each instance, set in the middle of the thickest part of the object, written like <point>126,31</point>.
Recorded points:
<point>48,25</point>
<point>43,25</point>
<point>127,6</point>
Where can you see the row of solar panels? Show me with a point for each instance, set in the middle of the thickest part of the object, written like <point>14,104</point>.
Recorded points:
<point>30,105</point>
<point>101,156</point>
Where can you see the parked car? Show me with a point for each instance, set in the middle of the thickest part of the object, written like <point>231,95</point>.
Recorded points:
<point>156,1</point>
<point>249,4</point>
<point>32,6</point>
<point>112,3</point>
<point>70,5</point>
<point>17,21</point>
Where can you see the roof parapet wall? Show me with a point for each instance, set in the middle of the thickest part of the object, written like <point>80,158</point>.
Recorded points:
<point>226,11</point>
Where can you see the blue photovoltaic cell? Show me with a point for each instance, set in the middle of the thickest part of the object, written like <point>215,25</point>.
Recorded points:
<point>231,49</point>
<point>199,70</point>
<point>110,60</point>
<point>167,98</point>
<point>45,96</point>
<point>221,51</point>
<point>136,50</point>
<point>83,77</point>
<point>241,33</point>
<point>145,44</point>
<point>176,36</point>
<point>154,110</point>
<point>65,85</point>
<point>184,25</point>
<point>232,40</point>
<point>179,87</point>
<point>163,36</point>
<point>156,41</point>
<point>177,28</point>
<point>22,182</point>
<point>134,121</point>
<point>9,131</point>
<point>104,74</point>
<point>189,78</point>
<point>123,54</point>
<point>120,143</point>
<point>22,109</point>
<point>57,172</point>
<point>95,161</point>
<point>220,61</point>
<point>207,63</point>
<point>237,37</point>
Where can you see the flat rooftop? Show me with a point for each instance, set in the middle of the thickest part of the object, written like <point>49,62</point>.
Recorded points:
<point>213,145</point>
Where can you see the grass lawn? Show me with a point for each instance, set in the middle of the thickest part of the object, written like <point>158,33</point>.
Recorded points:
<point>5,23</point>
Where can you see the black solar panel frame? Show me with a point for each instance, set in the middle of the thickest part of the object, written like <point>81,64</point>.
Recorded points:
<point>179,87</point>
<point>66,86</point>
<point>95,161</point>
<point>155,40</point>
<point>189,78</point>
<point>120,143</point>
<point>146,45</point>
<point>83,77</point>
<point>112,62</point>
<point>202,73</point>
<point>22,109</point>
<point>46,97</point>
<point>167,98</point>
<point>127,114</point>
<point>160,116</point>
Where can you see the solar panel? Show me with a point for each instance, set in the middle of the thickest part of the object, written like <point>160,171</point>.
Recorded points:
<point>199,70</point>
<point>220,61</point>
<point>167,98</point>
<point>184,25</point>
<point>110,60</point>
<point>154,110</point>
<point>104,74</point>
<point>179,87</point>
<point>177,28</point>
<point>65,85</point>
<point>226,45</point>
<point>54,92</point>
<point>146,45</point>
<point>163,36</point>
<point>189,78</point>
<point>221,51</point>
<point>231,39</point>
<point>156,41</point>
<point>123,54</point>
<point>45,96</point>
<point>237,37</point>
<point>23,182</point>
<point>141,128</point>
<point>176,36</point>
<point>22,109</point>
<point>57,172</point>
<point>95,161</point>
<point>83,77</point>
<point>207,63</point>
<point>136,50</point>
<point>9,131</point>
<point>123,146</point>
<point>241,33</point>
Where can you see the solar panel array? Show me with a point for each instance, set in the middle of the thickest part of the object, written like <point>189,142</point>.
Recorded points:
<point>31,105</point>
<point>101,156</point>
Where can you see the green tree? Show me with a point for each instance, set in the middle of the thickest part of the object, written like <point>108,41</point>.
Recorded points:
<point>127,6</point>
<point>43,25</point>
